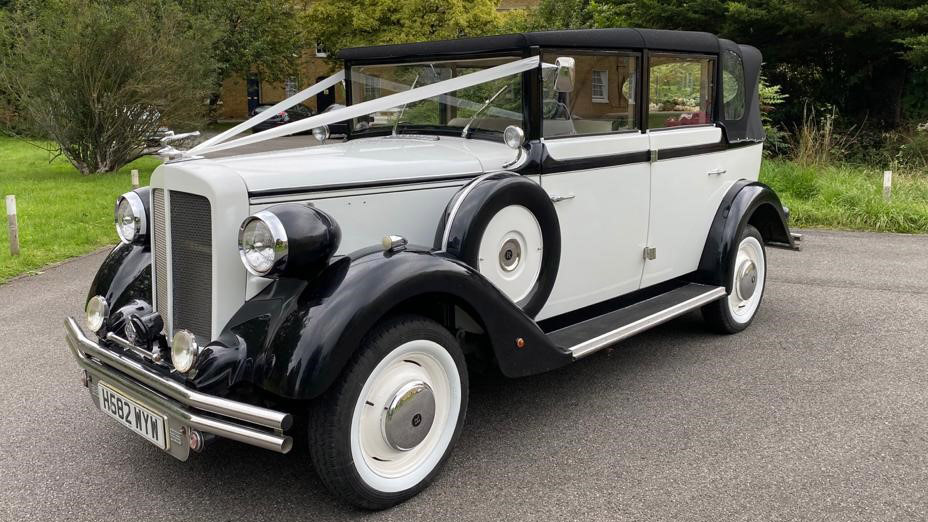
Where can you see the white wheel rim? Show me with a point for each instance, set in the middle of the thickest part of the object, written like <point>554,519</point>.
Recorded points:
<point>743,308</point>
<point>381,466</point>
<point>513,229</point>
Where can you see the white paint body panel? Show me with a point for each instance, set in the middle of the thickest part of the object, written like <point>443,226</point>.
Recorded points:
<point>379,186</point>
<point>685,195</point>
<point>604,227</point>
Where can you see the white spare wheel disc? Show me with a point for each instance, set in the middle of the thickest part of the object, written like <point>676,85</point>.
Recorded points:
<point>511,251</point>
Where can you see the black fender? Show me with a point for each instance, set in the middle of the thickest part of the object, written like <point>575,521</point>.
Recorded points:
<point>462,223</point>
<point>294,338</point>
<point>124,278</point>
<point>747,202</point>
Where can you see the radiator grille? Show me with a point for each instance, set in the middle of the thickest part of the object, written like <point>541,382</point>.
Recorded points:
<point>191,263</point>
<point>159,246</point>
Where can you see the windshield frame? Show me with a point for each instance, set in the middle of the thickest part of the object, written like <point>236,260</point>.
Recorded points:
<point>529,79</point>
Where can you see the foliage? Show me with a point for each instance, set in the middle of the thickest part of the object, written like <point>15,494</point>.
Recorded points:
<point>264,37</point>
<point>562,14</point>
<point>98,79</point>
<point>848,197</point>
<point>854,55</point>
<point>61,214</point>
<point>771,96</point>
<point>349,23</point>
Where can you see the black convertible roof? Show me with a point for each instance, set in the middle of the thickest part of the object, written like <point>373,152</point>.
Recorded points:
<point>659,40</point>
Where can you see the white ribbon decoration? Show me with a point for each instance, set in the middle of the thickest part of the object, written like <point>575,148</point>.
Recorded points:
<point>368,107</point>
<point>305,94</point>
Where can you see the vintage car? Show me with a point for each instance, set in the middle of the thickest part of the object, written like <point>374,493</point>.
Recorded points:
<point>505,204</point>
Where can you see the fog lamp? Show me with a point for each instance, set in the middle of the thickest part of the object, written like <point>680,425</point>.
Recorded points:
<point>96,311</point>
<point>184,351</point>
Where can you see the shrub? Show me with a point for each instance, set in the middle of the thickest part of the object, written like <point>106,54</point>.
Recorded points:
<point>98,78</point>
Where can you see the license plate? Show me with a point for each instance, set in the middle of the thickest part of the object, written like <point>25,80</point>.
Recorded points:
<point>132,415</point>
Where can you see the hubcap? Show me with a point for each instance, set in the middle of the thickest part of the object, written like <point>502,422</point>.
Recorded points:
<point>408,416</point>
<point>510,255</point>
<point>747,279</point>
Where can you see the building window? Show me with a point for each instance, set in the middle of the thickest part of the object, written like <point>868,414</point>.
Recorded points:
<point>291,87</point>
<point>371,87</point>
<point>320,51</point>
<point>600,86</point>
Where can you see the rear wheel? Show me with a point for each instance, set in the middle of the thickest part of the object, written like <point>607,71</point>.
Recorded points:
<point>736,312</point>
<point>383,430</point>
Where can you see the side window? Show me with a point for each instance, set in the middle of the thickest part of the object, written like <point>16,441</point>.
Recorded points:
<point>603,99</point>
<point>680,91</point>
<point>733,85</point>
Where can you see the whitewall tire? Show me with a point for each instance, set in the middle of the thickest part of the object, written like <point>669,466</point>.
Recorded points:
<point>737,310</point>
<point>383,430</point>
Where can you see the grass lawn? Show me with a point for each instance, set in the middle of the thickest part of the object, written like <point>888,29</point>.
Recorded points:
<point>849,197</point>
<point>61,213</point>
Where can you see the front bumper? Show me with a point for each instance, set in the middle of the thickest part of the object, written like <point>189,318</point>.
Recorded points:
<point>184,408</point>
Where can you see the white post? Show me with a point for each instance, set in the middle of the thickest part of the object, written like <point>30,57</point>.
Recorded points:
<point>135,178</point>
<point>14,228</point>
<point>887,185</point>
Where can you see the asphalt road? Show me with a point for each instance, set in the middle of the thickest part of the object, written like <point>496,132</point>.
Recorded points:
<point>819,411</point>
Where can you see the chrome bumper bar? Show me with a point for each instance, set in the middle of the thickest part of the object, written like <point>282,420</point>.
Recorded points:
<point>175,399</point>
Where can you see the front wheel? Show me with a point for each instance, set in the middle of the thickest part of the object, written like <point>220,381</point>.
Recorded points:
<point>736,311</point>
<point>381,433</point>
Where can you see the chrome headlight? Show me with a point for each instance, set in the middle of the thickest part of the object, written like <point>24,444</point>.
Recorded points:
<point>96,311</point>
<point>290,239</point>
<point>131,220</point>
<point>262,243</point>
<point>184,351</point>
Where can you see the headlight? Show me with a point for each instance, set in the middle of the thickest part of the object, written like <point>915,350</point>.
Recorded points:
<point>321,133</point>
<point>290,239</point>
<point>262,243</point>
<point>184,351</point>
<point>131,221</point>
<point>96,312</point>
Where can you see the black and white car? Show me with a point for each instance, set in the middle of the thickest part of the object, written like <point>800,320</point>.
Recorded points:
<point>514,202</point>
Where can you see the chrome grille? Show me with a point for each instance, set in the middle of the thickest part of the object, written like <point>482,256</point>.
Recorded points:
<point>191,263</point>
<point>160,249</point>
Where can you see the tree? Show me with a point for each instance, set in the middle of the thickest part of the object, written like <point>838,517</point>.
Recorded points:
<point>338,24</point>
<point>98,78</point>
<point>264,37</point>
<point>857,55</point>
<point>563,14</point>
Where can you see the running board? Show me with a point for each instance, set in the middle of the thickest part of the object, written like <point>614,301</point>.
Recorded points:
<point>594,334</point>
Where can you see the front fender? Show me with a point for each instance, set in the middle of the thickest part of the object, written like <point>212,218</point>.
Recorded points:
<point>299,335</point>
<point>124,276</point>
<point>747,202</point>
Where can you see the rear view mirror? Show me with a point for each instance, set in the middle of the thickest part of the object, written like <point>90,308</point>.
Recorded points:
<point>566,71</point>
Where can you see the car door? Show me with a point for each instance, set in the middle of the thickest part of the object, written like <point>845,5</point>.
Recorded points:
<point>597,174</point>
<point>689,177</point>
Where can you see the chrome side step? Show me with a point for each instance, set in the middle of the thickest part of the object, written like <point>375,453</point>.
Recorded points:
<point>587,337</point>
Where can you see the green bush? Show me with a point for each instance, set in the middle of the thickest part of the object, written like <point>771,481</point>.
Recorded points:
<point>97,77</point>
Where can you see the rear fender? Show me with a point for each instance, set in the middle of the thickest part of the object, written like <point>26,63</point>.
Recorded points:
<point>746,203</point>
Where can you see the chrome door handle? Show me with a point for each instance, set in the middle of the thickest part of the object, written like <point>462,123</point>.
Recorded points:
<point>558,199</point>
<point>717,172</point>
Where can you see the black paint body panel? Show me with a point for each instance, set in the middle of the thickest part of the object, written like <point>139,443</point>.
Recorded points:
<point>295,337</point>
<point>747,202</point>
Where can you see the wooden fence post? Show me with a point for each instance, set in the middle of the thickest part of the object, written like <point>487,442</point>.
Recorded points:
<point>14,228</point>
<point>887,185</point>
<point>135,178</point>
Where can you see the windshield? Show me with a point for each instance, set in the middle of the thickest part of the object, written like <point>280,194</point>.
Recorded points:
<point>448,113</point>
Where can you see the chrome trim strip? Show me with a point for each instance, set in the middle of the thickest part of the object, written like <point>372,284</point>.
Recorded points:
<point>457,205</point>
<point>587,347</point>
<point>83,347</point>
<point>131,347</point>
